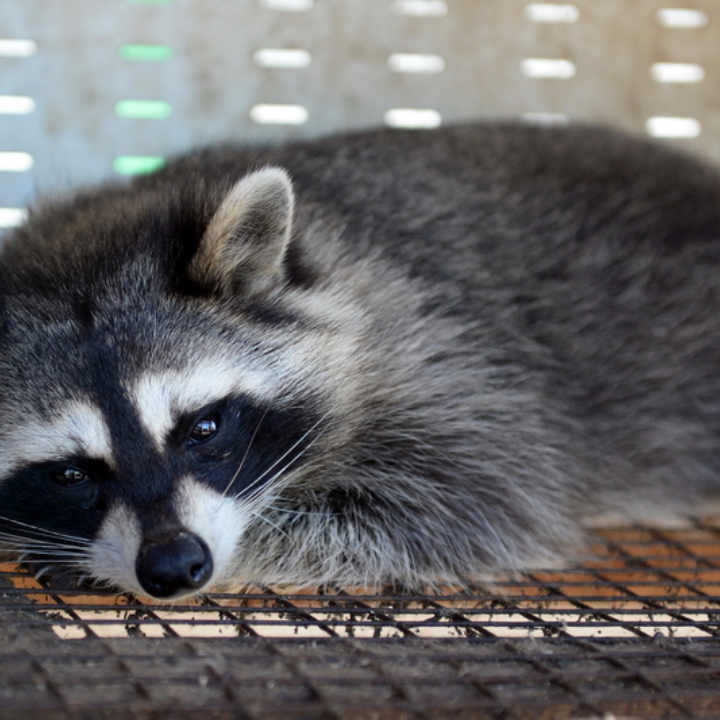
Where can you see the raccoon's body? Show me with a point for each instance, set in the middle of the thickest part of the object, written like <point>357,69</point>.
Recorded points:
<point>409,357</point>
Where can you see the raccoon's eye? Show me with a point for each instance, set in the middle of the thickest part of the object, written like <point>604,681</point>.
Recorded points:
<point>204,429</point>
<point>70,477</point>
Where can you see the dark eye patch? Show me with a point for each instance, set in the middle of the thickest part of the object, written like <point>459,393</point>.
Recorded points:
<point>237,444</point>
<point>66,497</point>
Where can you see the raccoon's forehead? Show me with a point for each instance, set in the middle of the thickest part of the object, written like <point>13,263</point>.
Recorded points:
<point>78,429</point>
<point>160,396</point>
<point>156,398</point>
<point>104,337</point>
<point>65,387</point>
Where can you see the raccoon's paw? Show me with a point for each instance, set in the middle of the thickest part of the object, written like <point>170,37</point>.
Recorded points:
<point>59,577</point>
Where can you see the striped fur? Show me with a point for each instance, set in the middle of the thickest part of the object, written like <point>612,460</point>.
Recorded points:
<point>389,357</point>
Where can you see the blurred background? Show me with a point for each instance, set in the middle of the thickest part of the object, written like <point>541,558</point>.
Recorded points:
<point>89,90</point>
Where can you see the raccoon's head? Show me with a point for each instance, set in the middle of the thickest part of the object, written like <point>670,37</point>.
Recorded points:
<point>153,384</point>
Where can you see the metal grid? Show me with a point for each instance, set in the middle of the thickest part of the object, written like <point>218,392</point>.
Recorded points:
<point>89,89</point>
<point>634,632</point>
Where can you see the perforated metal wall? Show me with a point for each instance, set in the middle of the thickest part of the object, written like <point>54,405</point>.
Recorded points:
<point>88,88</point>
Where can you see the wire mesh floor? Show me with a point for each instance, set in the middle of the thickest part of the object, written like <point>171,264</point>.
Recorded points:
<point>634,633</point>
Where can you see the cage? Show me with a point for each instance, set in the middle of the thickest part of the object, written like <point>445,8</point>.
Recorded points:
<point>88,91</point>
<point>633,633</point>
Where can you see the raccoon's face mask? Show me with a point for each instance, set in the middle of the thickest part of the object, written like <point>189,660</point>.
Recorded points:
<point>141,424</point>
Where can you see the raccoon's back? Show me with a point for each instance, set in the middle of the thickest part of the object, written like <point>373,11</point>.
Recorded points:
<point>582,238</point>
<point>525,204</point>
<point>595,256</point>
<point>592,257</point>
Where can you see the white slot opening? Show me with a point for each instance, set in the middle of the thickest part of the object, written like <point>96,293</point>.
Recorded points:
<point>420,8</point>
<point>412,118</point>
<point>548,68</point>
<point>546,119</point>
<point>17,48</point>
<point>673,127</point>
<point>15,161</point>
<point>281,58</point>
<point>288,5</point>
<point>416,63</point>
<point>551,13</point>
<point>279,114</point>
<point>16,105</point>
<point>12,217</point>
<point>682,18</point>
<point>677,73</point>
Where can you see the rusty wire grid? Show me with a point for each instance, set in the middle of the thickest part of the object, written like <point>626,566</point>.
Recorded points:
<point>632,633</point>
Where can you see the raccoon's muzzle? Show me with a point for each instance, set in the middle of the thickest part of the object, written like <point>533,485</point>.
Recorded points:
<point>173,565</point>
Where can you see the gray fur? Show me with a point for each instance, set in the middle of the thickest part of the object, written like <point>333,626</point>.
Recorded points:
<point>501,332</point>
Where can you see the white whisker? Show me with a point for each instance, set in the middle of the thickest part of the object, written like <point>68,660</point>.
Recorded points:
<point>44,551</point>
<point>288,511</point>
<point>244,457</point>
<point>7,538</point>
<point>263,475</point>
<point>43,531</point>
<point>281,472</point>
<point>261,517</point>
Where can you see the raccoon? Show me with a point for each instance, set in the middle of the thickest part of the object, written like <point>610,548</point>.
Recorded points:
<point>388,357</point>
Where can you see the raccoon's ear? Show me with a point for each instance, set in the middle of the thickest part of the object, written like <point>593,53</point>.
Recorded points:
<point>244,245</point>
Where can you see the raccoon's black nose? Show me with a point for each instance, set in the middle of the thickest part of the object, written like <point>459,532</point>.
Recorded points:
<point>174,565</point>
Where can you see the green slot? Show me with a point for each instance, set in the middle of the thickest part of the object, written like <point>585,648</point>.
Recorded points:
<point>137,164</point>
<point>146,53</point>
<point>143,109</point>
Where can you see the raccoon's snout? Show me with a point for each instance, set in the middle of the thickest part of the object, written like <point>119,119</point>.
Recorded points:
<point>174,566</point>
